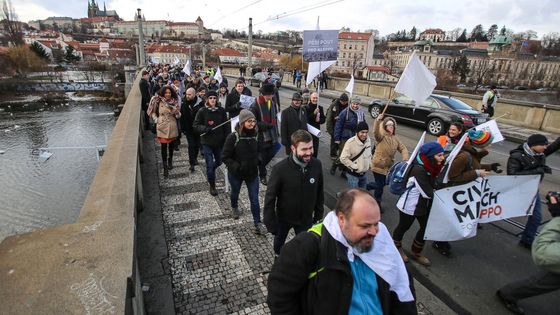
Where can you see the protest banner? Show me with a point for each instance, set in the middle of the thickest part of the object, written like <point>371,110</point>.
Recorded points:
<point>320,45</point>
<point>246,101</point>
<point>456,211</point>
<point>492,127</point>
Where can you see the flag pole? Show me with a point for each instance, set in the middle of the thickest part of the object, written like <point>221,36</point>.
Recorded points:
<point>218,126</point>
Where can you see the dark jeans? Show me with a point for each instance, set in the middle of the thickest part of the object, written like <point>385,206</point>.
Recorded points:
<point>355,181</point>
<point>266,153</point>
<point>194,147</point>
<point>213,158</point>
<point>165,148</point>
<point>252,188</point>
<point>282,231</point>
<point>405,222</point>
<point>541,283</point>
<point>378,185</point>
<point>533,222</point>
<point>315,146</point>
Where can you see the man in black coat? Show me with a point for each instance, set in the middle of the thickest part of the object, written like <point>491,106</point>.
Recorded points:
<point>191,105</point>
<point>529,158</point>
<point>315,117</point>
<point>315,275</point>
<point>294,196</point>
<point>293,118</point>
<point>146,96</point>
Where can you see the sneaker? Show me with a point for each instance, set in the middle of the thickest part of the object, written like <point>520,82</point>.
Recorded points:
<point>191,168</point>
<point>235,213</point>
<point>260,229</point>
<point>510,305</point>
<point>422,260</point>
<point>443,248</point>
<point>403,255</point>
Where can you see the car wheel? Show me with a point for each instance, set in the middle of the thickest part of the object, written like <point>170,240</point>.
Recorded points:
<point>435,126</point>
<point>374,110</point>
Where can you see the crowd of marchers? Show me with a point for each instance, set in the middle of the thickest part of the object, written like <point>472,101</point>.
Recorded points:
<point>345,261</point>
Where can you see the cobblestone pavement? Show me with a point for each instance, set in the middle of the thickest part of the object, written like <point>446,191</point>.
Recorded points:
<point>218,265</point>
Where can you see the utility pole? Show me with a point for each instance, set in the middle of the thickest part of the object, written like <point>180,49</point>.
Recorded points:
<point>250,44</point>
<point>203,55</point>
<point>141,55</point>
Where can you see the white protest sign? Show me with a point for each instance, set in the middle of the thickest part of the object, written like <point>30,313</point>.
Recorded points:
<point>456,211</point>
<point>246,101</point>
<point>234,122</point>
<point>492,127</point>
<point>314,131</point>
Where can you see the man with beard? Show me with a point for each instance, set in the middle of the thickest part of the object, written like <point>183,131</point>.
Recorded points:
<point>293,118</point>
<point>345,265</point>
<point>315,117</point>
<point>356,157</point>
<point>191,105</point>
<point>294,197</point>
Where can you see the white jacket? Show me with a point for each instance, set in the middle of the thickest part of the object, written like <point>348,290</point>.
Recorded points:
<point>351,148</point>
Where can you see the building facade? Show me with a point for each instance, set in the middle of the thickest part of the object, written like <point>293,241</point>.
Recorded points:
<point>432,34</point>
<point>355,50</point>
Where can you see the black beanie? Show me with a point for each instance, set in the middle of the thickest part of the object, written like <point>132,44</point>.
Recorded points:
<point>362,125</point>
<point>344,97</point>
<point>537,139</point>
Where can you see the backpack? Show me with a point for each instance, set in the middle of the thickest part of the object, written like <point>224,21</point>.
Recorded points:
<point>396,178</point>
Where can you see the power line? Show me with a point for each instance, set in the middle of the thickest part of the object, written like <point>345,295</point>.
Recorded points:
<point>238,10</point>
<point>299,10</point>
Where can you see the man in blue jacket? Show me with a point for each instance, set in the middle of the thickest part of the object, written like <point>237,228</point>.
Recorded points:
<point>345,126</point>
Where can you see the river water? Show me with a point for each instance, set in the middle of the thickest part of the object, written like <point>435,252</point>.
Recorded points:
<point>36,194</point>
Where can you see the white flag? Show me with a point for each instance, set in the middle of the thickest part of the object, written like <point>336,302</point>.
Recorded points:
<point>187,68</point>
<point>416,82</point>
<point>451,157</point>
<point>350,87</point>
<point>218,76</point>
<point>492,127</point>
<point>315,68</point>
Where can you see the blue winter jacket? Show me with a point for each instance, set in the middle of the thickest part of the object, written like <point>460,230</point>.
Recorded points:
<point>345,126</point>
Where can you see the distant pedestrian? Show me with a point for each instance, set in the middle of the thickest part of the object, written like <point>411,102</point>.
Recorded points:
<point>387,143</point>
<point>546,256</point>
<point>265,110</point>
<point>315,117</point>
<point>293,118</point>
<point>281,74</point>
<point>415,204</point>
<point>240,155</point>
<point>298,79</point>
<point>165,111</point>
<point>489,100</point>
<point>294,196</point>
<point>356,157</point>
<point>211,124</point>
<point>146,96</point>
<point>294,72</point>
<point>345,127</point>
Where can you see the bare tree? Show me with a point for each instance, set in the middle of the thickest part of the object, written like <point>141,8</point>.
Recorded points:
<point>481,72</point>
<point>12,26</point>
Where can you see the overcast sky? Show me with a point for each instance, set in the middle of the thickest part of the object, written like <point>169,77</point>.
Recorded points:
<point>541,16</point>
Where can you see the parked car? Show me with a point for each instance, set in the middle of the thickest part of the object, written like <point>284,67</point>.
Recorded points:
<point>259,78</point>
<point>435,114</point>
<point>520,88</point>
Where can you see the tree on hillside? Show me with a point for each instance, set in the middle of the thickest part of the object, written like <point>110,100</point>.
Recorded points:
<point>492,32</point>
<point>39,51</point>
<point>412,34</point>
<point>551,44</point>
<point>12,27</point>
<point>294,62</point>
<point>482,70</point>
<point>23,60</point>
<point>70,55</point>
<point>463,37</point>
<point>461,68</point>
<point>477,34</point>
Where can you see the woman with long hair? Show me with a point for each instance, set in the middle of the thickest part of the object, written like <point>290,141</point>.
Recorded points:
<point>415,203</point>
<point>165,110</point>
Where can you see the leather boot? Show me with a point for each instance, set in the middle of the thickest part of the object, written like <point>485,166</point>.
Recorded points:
<point>170,164</point>
<point>165,170</point>
<point>333,168</point>
<point>213,190</point>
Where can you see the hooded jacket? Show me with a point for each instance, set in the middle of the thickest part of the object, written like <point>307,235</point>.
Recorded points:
<point>464,166</point>
<point>240,154</point>
<point>386,146</point>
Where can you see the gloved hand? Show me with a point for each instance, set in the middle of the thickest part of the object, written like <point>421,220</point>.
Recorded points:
<point>495,167</point>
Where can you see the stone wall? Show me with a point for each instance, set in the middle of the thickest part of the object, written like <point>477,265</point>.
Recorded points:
<point>88,267</point>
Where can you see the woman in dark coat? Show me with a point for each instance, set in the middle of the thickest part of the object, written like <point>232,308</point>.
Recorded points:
<point>415,203</point>
<point>240,155</point>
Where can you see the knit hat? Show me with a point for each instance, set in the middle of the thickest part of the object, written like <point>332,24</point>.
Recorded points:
<point>362,125</point>
<point>241,79</point>
<point>223,84</point>
<point>305,96</point>
<point>480,138</point>
<point>356,99</point>
<point>267,89</point>
<point>211,93</point>
<point>245,115</point>
<point>431,148</point>
<point>537,139</point>
<point>297,96</point>
<point>343,97</point>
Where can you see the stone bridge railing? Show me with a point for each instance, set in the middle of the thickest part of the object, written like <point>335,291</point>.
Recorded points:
<point>90,266</point>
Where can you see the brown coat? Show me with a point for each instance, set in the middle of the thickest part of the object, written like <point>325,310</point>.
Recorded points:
<point>463,168</point>
<point>386,146</point>
<point>166,121</point>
